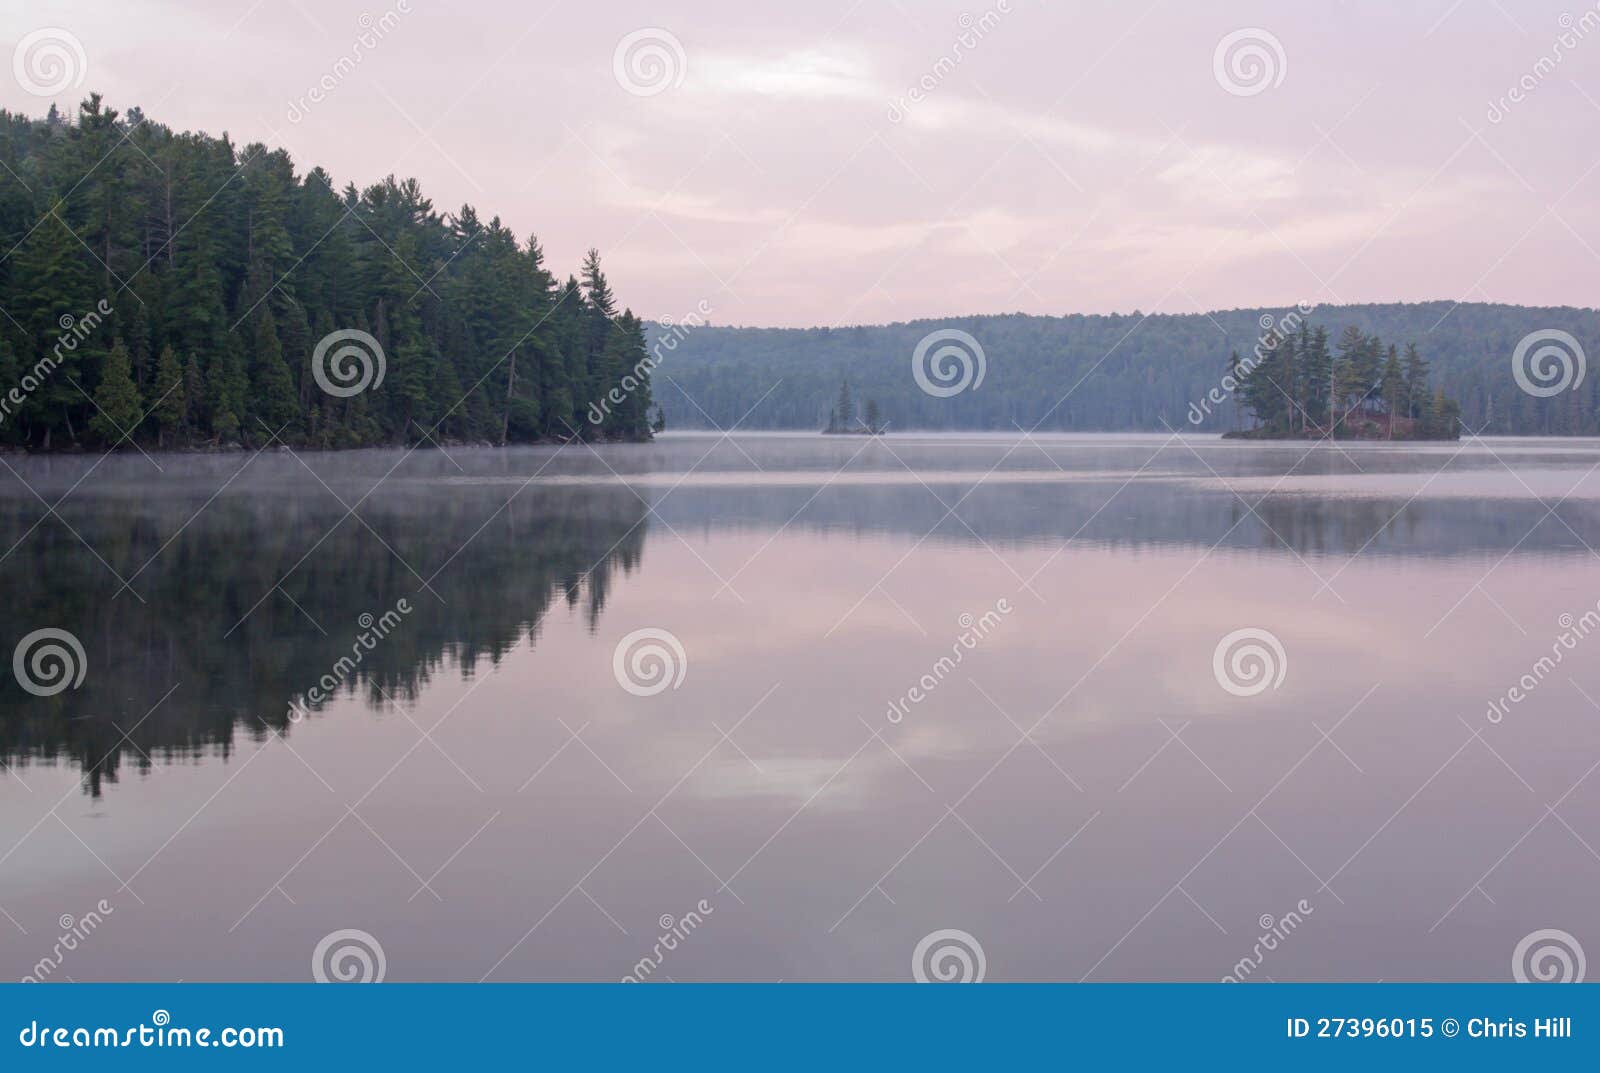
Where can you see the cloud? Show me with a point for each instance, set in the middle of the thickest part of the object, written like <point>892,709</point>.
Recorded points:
<point>805,75</point>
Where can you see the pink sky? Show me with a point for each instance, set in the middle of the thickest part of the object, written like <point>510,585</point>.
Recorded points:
<point>1078,157</point>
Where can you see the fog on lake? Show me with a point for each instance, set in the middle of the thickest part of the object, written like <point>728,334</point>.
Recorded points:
<point>1115,707</point>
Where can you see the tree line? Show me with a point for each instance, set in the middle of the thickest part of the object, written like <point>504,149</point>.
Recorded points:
<point>172,289</point>
<point>1109,372</point>
<point>1297,385</point>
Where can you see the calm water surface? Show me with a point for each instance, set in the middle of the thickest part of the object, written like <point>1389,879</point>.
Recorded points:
<point>491,792</point>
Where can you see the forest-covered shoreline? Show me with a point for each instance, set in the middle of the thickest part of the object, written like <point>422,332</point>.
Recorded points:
<point>173,290</point>
<point>1110,372</point>
<point>167,289</point>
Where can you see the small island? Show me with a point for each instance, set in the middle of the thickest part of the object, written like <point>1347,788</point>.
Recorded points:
<point>842,419</point>
<point>1295,387</point>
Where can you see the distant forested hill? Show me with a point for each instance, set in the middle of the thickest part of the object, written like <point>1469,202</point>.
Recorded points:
<point>176,289</point>
<point>1123,371</point>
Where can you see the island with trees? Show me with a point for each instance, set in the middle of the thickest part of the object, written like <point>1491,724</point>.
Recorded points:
<point>1295,386</point>
<point>843,420</point>
<point>175,290</point>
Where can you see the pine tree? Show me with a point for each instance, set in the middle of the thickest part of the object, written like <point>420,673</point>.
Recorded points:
<point>1368,370</point>
<point>1347,373</point>
<point>272,403</point>
<point>844,412</point>
<point>54,300</point>
<point>194,397</point>
<point>1416,374</point>
<point>116,399</point>
<point>166,400</point>
<point>1267,392</point>
<point>873,417</point>
<point>10,373</point>
<point>1394,387</point>
<point>1317,369</point>
<point>1288,381</point>
<point>405,400</point>
<point>227,386</point>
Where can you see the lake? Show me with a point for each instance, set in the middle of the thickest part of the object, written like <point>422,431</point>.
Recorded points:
<point>783,707</point>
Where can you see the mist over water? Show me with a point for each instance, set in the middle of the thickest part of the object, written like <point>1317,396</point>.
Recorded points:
<point>391,689</point>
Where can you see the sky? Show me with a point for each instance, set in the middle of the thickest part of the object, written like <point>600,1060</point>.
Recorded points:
<point>865,161</point>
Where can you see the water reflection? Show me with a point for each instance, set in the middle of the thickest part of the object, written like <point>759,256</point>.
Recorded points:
<point>247,580</point>
<point>482,796</point>
<point>253,603</point>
